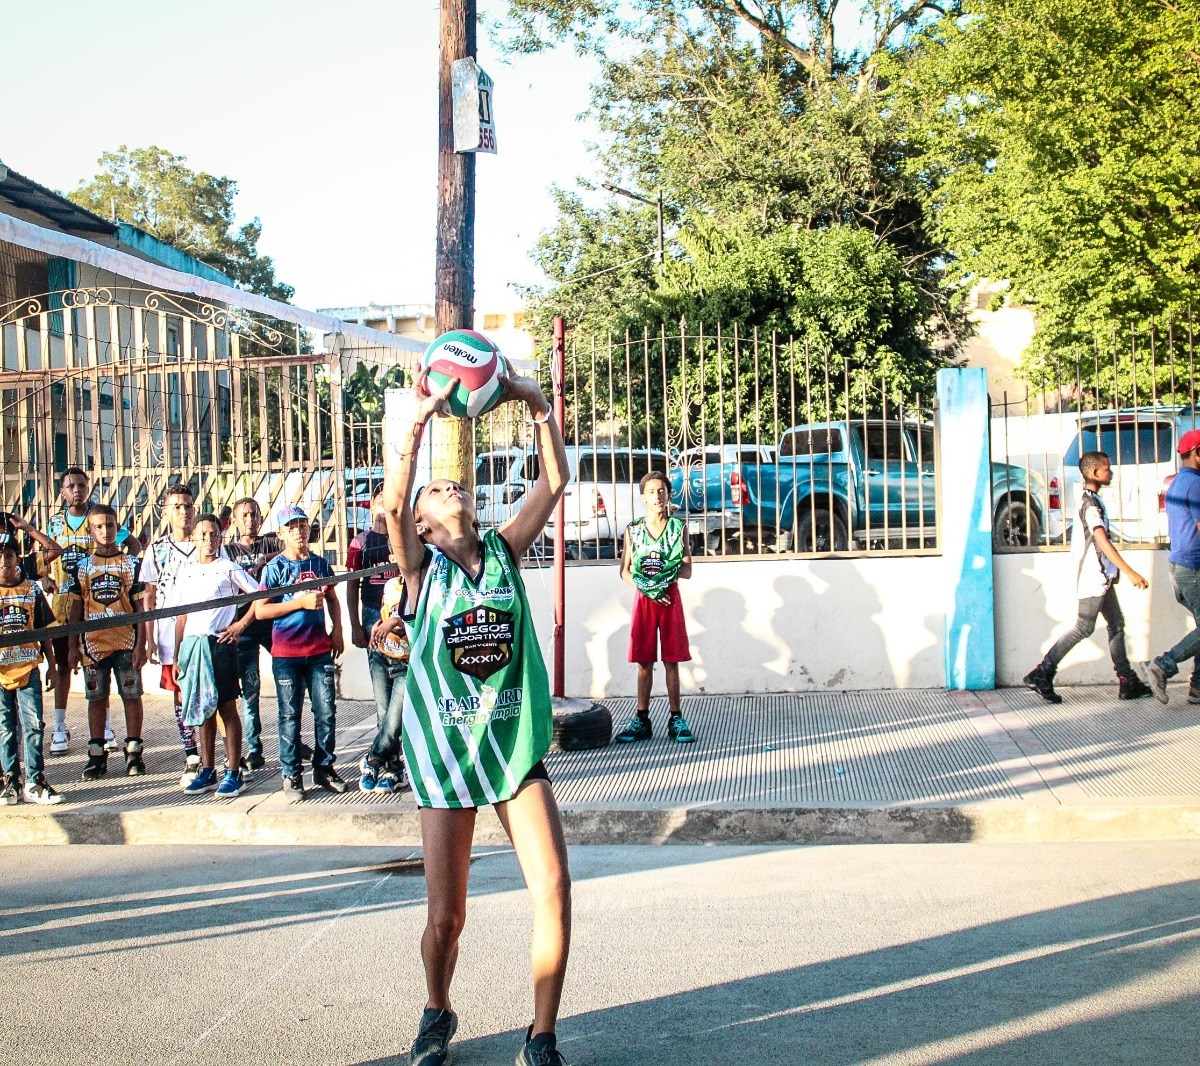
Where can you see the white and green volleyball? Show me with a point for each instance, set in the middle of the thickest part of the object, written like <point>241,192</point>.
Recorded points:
<point>475,361</point>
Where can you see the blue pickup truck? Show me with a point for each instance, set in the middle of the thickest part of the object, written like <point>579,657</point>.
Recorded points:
<point>837,486</point>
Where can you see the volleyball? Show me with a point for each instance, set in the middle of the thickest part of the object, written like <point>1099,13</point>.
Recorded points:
<point>475,361</point>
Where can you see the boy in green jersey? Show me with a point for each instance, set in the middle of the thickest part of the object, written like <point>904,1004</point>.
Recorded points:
<point>477,713</point>
<point>656,556</point>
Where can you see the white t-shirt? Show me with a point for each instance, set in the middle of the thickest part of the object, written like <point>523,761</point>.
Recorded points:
<point>1094,572</point>
<point>201,582</point>
<point>161,563</point>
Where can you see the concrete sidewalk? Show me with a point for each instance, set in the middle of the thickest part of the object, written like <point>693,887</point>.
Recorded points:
<point>872,767</point>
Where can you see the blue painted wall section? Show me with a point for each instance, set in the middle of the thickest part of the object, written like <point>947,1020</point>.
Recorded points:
<point>966,528</point>
<point>169,256</point>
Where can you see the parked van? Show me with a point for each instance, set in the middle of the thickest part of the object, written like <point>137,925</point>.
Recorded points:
<point>602,496</point>
<point>1141,443</point>
<point>500,483</point>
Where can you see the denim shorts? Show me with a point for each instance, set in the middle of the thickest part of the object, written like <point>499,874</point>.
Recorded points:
<point>120,663</point>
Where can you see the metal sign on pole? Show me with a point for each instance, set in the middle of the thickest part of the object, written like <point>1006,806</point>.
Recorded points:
<point>474,120</point>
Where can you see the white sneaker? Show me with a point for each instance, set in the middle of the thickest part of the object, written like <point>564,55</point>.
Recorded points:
<point>60,740</point>
<point>191,768</point>
<point>110,740</point>
<point>39,791</point>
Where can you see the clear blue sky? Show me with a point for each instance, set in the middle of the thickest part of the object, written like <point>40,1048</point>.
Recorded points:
<point>324,113</point>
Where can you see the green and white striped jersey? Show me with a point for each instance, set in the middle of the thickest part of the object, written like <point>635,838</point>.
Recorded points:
<point>655,562</point>
<point>478,716</point>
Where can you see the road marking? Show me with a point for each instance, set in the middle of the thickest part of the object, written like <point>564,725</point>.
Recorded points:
<point>325,927</point>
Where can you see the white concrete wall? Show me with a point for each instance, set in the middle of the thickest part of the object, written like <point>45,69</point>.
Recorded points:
<point>808,625</point>
<point>1035,602</point>
<point>762,626</point>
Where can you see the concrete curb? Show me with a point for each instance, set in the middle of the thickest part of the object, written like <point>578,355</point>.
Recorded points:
<point>992,823</point>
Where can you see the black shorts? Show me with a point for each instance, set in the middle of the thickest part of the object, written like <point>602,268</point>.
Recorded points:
<point>225,670</point>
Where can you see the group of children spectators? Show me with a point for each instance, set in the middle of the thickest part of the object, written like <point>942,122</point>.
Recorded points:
<point>86,567</point>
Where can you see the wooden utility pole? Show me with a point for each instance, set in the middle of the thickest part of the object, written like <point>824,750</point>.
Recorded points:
<point>454,293</point>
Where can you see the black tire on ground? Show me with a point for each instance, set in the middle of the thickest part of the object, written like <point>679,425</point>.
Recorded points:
<point>580,726</point>
<point>820,531</point>
<point>1016,525</point>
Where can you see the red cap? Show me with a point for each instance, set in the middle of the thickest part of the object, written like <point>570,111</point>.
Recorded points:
<point>1190,440</point>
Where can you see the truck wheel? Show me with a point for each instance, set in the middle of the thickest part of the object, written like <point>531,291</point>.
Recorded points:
<point>724,542</point>
<point>581,725</point>
<point>1015,525</point>
<point>820,532</point>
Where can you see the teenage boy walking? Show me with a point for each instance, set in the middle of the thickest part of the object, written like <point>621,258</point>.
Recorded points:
<point>22,609</point>
<point>205,662</point>
<point>1098,567</point>
<point>68,528</point>
<point>656,556</point>
<point>108,582</point>
<point>302,654</point>
<point>1183,563</point>
<point>252,549</point>
<point>165,557</point>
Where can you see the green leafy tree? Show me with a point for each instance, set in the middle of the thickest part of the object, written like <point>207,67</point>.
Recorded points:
<point>1057,147</point>
<point>191,210</point>
<point>790,206</point>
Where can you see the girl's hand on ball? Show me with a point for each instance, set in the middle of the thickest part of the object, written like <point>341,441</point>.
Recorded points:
<point>435,402</point>
<point>523,390</point>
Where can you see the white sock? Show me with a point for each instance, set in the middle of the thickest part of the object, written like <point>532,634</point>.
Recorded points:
<point>108,723</point>
<point>60,718</point>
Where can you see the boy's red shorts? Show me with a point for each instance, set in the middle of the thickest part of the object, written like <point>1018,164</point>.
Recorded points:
<point>655,620</point>
<point>166,680</point>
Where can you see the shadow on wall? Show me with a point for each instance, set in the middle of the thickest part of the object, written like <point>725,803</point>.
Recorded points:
<point>826,627</point>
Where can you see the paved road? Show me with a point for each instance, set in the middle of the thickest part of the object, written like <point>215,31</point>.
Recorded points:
<point>684,954</point>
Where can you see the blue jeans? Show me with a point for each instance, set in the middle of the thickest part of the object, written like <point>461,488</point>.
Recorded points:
<point>387,680</point>
<point>293,678</point>
<point>1085,625</point>
<point>1186,583</point>
<point>247,657</point>
<point>21,710</point>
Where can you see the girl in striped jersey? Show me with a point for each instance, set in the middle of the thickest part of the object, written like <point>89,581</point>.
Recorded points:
<point>477,717</point>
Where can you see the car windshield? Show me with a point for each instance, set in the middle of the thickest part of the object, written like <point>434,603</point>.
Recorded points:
<point>1124,443</point>
<point>492,469</point>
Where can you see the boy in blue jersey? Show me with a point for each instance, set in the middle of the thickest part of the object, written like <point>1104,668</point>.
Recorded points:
<point>1183,523</point>
<point>302,654</point>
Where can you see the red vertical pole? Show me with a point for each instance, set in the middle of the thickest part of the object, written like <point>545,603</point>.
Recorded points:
<point>558,363</point>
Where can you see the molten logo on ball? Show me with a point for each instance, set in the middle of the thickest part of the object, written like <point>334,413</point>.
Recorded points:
<point>477,364</point>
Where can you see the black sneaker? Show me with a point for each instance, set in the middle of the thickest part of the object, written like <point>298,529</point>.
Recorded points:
<point>135,766</point>
<point>637,729</point>
<point>1193,694</point>
<point>254,761</point>
<point>97,764</point>
<point>293,788</point>
<point>1154,676</point>
<point>326,777</point>
<point>432,1046</point>
<point>679,731</point>
<point>1131,687</point>
<point>541,1051</point>
<point>1043,684</point>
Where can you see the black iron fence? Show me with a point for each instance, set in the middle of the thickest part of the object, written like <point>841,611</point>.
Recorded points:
<point>770,447</point>
<point>1131,397</point>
